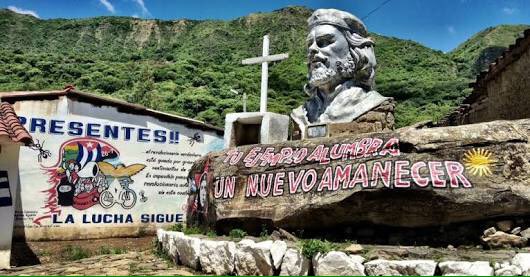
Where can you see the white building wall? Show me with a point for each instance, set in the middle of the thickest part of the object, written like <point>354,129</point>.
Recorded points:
<point>9,163</point>
<point>157,168</point>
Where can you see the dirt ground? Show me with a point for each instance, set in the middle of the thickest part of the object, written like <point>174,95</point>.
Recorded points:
<point>43,252</point>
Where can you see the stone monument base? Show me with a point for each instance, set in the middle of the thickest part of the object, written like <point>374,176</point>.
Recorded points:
<point>380,119</point>
<point>255,128</point>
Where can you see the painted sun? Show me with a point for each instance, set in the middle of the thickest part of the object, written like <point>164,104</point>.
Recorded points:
<point>478,162</point>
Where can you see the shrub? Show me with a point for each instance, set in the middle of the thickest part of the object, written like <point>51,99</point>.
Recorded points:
<point>192,230</point>
<point>313,246</point>
<point>237,233</point>
<point>176,227</point>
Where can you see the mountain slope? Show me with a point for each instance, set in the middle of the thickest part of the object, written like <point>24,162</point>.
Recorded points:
<point>476,53</point>
<point>188,66</point>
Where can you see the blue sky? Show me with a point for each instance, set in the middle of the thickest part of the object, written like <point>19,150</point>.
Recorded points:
<point>441,24</point>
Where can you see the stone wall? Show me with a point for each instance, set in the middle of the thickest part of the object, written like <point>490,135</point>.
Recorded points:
<point>501,93</point>
<point>277,257</point>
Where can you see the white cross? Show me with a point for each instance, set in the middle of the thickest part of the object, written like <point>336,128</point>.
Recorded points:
<point>265,60</point>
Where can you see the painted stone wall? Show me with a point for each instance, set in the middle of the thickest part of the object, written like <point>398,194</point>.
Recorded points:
<point>406,178</point>
<point>8,188</point>
<point>102,172</point>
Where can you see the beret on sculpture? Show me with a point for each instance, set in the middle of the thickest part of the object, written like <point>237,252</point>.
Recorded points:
<point>337,18</point>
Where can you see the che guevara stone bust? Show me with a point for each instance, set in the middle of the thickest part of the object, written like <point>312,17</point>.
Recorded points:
<point>341,71</point>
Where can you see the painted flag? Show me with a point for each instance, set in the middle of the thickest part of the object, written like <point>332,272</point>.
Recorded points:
<point>87,153</point>
<point>5,193</point>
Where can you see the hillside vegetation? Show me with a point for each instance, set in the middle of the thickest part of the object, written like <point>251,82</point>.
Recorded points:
<point>188,67</point>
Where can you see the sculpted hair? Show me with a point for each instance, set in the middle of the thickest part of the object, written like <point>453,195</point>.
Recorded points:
<point>362,52</point>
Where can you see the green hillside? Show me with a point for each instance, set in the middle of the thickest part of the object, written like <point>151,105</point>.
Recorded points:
<point>188,67</point>
<point>475,54</point>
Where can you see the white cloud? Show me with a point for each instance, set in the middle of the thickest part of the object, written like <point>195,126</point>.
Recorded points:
<point>451,29</point>
<point>108,5</point>
<point>509,11</point>
<point>135,15</point>
<point>23,11</point>
<point>141,3</point>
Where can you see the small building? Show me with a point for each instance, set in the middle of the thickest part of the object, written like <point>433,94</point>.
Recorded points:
<point>102,167</point>
<point>501,92</point>
<point>12,136</point>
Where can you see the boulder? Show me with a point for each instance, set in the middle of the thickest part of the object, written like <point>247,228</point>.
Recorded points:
<point>516,231</point>
<point>525,233</point>
<point>508,270</point>
<point>522,260</point>
<point>405,178</point>
<point>400,268</point>
<point>503,240</point>
<point>337,263</point>
<point>278,249</point>
<point>294,263</point>
<point>354,248</point>
<point>253,258</point>
<point>217,257</point>
<point>188,249</point>
<point>451,268</point>
<point>505,225</point>
<point>172,250</point>
<point>490,231</point>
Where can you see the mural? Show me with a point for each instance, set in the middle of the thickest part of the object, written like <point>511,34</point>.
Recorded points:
<point>89,172</point>
<point>197,204</point>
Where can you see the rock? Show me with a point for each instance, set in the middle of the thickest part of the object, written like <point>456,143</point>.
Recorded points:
<point>480,268</point>
<point>525,233</point>
<point>503,240</point>
<point>281,234</point>
<point>400,268</point>
<point>354,248</point>
<point>294,263</point>
<point>160,234</point>
<point>450,247</point>
<point>278,249</point>
<point>522,260</point>
<point>490,231</point>
<point>253,258</point>
<point>188,249</point>
<point>291,206</point>
<point>505,225</point>
<point>172,250</point>
<point>508,270</point>
<point>338,264</point>
<point>516,230</point>
<point>217,257</point>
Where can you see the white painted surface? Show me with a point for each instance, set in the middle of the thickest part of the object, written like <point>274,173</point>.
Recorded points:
<point>9,163</point>
<point>162,182</point>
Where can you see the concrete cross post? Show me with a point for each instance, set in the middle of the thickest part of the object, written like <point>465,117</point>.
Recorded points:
<point>264,60</point>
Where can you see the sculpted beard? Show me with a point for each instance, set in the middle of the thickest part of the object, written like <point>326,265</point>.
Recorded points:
<point>322,74</point>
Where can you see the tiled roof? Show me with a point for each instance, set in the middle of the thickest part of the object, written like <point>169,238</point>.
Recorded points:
<point>10,126</point>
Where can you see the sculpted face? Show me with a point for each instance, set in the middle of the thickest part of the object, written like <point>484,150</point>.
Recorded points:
<point>327,47</point>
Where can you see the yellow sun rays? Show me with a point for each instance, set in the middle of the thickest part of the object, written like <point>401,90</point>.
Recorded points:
<point>478,162</point>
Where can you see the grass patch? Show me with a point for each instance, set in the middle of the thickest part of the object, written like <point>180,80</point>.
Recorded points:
<point>313,246</point>
<point>160,253</point>
<point>73,253</point>
<point>135,268</point>
<point>105,250</point>
<point>211,234</point>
